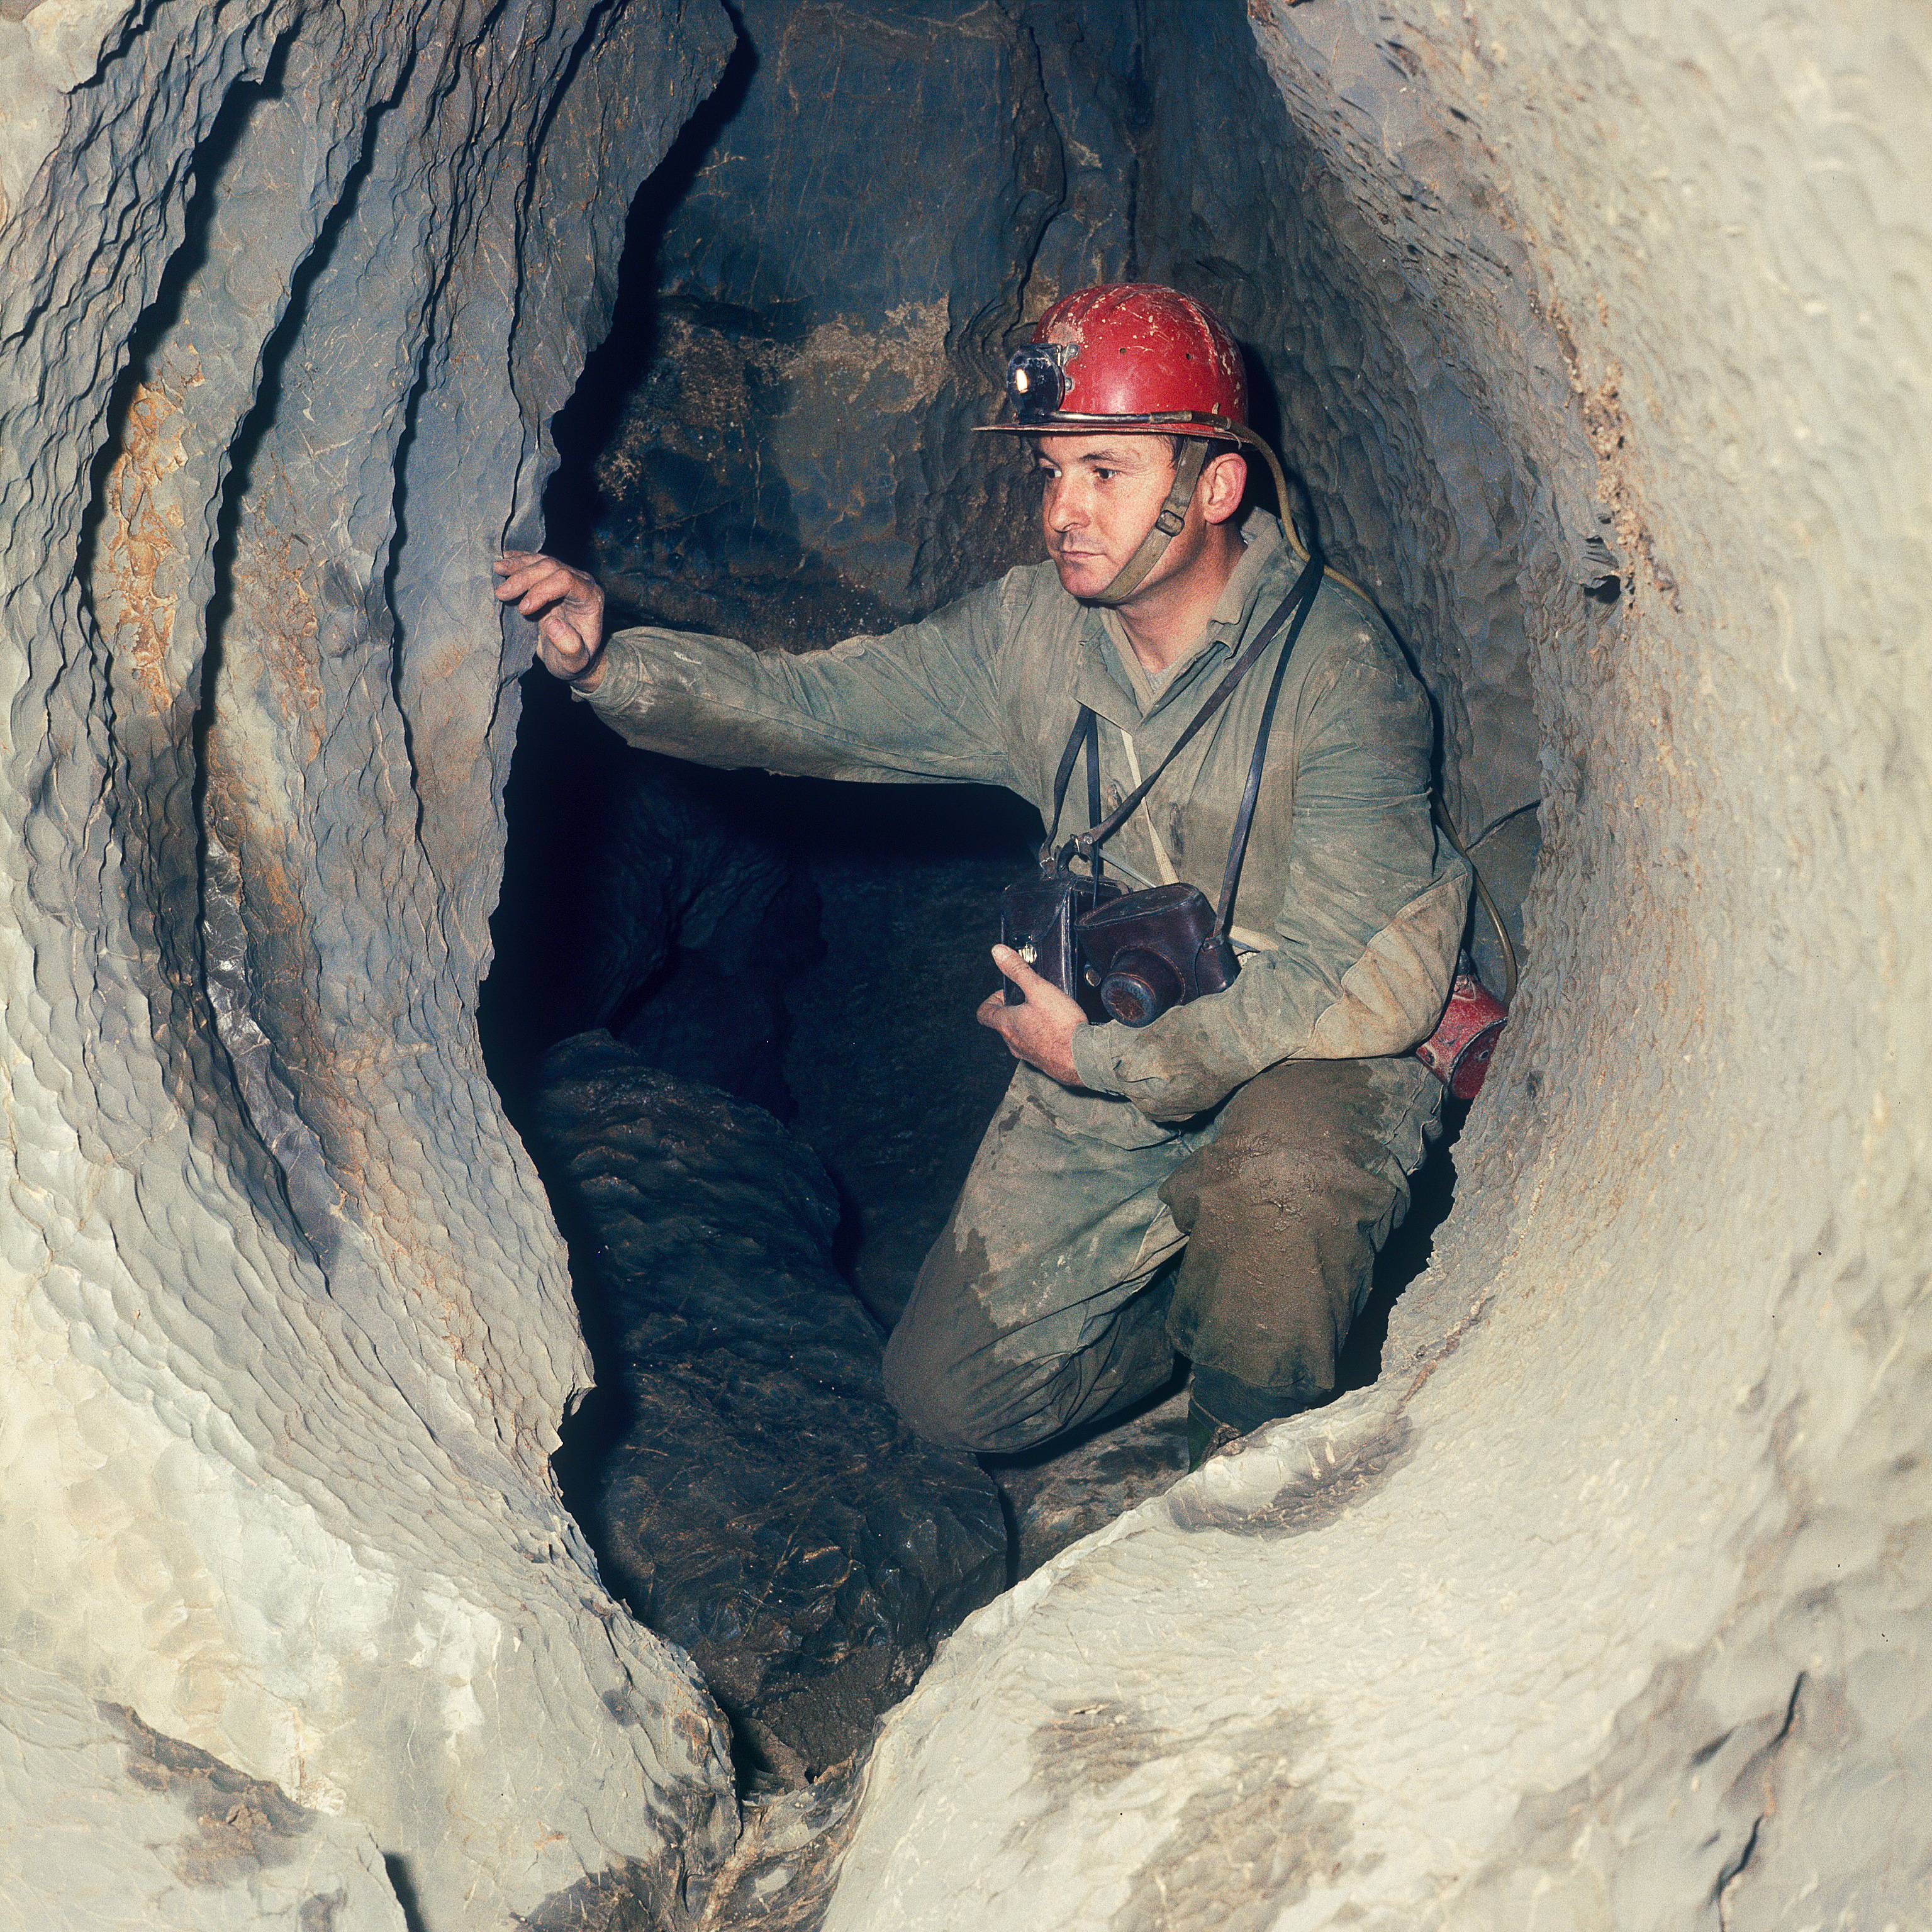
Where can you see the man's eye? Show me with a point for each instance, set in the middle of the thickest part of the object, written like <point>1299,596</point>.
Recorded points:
<point>1105,475</point>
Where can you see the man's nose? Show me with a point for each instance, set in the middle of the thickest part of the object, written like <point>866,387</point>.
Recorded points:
<point>1066,510</point>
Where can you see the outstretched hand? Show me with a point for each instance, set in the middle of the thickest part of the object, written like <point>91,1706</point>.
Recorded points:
<point>1040,1030</point>
<point>567,608</point>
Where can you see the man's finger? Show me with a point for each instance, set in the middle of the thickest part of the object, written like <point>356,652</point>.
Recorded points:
<point>1001,1018</point>
<point>546,591</point>
<point>542,579</point>
<point>526,579</point>
<point>1016,969</point>
<point>565,640</point>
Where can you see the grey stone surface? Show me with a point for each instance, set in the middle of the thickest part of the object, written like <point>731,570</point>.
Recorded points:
<point>291,294</point>
<point>763,1507</point>
<point>111,1827</point>
<point>1606,1607</point>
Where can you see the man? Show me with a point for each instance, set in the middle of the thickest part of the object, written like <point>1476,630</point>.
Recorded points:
<point>1215,1184</point>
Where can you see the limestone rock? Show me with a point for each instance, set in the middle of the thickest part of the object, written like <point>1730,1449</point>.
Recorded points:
<point>113,1828</point>
<point>1599,334</point>
<point>292,292</point>
<point>1605,1607</point>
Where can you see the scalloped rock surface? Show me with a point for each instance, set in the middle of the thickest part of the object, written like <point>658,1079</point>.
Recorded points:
<point>1607,1606</point>
<point>291,293</point>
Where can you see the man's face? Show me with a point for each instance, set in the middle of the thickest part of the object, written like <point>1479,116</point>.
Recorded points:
<point>1103,493</point>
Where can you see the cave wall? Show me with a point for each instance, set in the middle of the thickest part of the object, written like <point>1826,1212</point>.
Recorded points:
<point>1607,1606</point>
<point>882,193</point>
<point>291,294</point>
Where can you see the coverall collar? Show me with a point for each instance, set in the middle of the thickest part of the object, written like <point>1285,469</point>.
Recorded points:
<point>1112,682</point>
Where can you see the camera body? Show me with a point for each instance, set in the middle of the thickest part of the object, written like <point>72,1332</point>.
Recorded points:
<point>1124,956</point>
<point>1037,920</point>
<point>1155,950</point>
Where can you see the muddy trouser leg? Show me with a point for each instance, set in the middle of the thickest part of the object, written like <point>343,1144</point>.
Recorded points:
<point>1037,1309</point>
<point>1284,1211</point>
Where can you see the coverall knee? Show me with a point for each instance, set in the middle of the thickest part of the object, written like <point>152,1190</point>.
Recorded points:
<point>1048,1301</point>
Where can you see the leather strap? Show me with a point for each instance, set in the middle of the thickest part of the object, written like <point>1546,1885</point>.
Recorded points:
<point>1296,605</point>
<point>1082,724</point>
<point>1133,574</point>
<point>1302,597</point>
<point>1092,770</point>
<point>1086,730</point>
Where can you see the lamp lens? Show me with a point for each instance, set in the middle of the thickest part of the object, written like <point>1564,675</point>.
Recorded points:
<point>1036,380</point>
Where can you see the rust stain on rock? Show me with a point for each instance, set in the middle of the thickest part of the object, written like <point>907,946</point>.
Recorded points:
<point>141,531</point>
<point>242,1824</point>
<point>271,592</point>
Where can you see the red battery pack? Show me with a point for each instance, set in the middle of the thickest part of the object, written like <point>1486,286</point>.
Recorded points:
<point>1458,1052</point>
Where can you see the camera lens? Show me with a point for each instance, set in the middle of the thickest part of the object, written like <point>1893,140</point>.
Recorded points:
<point>1139,987</point>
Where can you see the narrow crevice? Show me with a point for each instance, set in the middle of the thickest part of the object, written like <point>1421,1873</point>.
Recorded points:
<point>396,1868</point>
<point>1765,1763</point>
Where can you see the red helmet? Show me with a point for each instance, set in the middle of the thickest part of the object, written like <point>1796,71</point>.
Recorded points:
<point>1130,355</point>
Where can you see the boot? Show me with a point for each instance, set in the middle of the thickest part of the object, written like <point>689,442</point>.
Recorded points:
<point>1221,1410</point>
<point>1205,1436</point>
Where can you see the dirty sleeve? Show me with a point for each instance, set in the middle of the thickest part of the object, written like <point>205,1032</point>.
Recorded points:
<point>917,703</point>
<point>1366,938</point>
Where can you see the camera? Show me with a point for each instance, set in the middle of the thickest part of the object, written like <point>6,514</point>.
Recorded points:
<point>1154,950</point>
<point>1133,956</point>
<point>1037,920</point>
<point>1125,956</point>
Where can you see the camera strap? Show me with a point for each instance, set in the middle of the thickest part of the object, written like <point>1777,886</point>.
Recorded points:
<point>1293,611</point>
<point>1303,598</point>
<point>1086,732</point>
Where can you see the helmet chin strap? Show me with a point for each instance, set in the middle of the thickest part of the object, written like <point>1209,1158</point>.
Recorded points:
<point>1133,574</point>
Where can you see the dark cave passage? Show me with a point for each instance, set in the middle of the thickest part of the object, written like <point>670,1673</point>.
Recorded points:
<point>818,291</point>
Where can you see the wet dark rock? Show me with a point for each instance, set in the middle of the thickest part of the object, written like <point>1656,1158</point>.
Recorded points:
<point>763,1509</point>
<point>1058,1496</point>
<point>639,900</point>
<point>895,1079</point>
<point>832,279</point>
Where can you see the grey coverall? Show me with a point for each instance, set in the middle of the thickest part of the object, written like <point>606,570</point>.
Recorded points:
<point>1265,1135</point>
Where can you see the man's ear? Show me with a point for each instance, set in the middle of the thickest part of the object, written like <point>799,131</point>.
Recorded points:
<point>1222,485</point>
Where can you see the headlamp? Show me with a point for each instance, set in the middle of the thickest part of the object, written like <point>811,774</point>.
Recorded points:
<point>1037,379</point>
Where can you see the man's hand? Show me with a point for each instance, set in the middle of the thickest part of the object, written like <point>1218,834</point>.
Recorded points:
<point>567,607</point>
<point>1041,1030</point>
